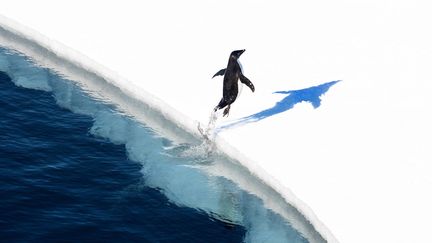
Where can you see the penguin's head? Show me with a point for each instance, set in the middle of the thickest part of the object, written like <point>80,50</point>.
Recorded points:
<point>237,54</point>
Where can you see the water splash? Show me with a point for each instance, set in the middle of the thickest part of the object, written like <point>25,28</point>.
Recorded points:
<point>208,132</point>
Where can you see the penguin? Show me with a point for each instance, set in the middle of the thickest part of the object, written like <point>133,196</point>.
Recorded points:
<point>232,73</point>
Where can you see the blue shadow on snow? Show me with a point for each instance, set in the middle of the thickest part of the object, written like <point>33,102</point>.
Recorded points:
<point>311,95</point>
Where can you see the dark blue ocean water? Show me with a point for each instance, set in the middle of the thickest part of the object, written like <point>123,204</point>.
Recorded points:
<point>58,182</point>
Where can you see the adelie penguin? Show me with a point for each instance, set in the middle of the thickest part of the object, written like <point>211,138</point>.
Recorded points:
<point>232,73</point>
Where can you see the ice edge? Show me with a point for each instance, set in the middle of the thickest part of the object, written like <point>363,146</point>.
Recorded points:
<point>67,61</point>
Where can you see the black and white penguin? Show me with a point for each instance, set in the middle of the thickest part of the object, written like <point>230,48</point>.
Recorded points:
<point>232,73</point>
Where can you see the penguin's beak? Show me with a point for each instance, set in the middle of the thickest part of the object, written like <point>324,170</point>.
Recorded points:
<point>242,51</point>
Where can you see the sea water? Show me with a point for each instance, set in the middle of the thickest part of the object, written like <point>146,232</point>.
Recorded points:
<point>75,167</point>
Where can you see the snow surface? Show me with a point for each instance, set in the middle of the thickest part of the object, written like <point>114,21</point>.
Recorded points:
<point>359,157</point>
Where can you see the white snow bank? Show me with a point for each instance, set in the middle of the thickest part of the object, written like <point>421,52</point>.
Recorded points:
<point>361,160</point>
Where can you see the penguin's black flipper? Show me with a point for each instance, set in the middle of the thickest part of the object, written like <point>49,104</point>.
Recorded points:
<point>246,81</point>
<point>221,73</point>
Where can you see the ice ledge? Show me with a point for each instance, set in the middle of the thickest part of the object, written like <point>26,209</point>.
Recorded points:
<point>78,67</point>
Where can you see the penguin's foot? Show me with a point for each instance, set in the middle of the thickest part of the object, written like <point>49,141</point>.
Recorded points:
<point>226,111</point>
